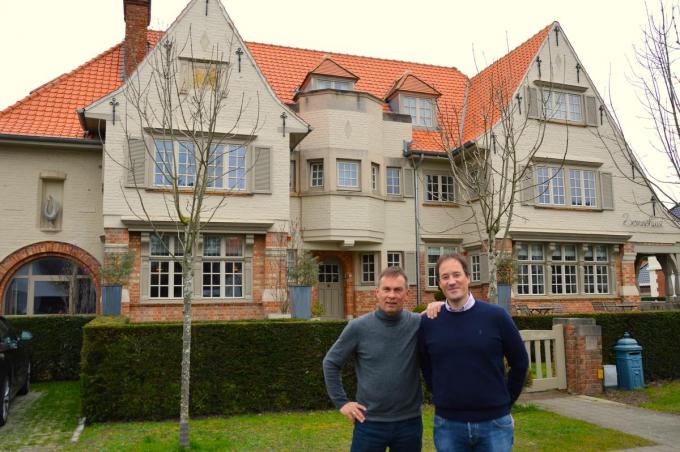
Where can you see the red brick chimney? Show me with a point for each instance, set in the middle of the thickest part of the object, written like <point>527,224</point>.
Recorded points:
<point>137,18</point>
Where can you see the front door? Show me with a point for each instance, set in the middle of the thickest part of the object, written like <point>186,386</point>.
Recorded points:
<point>330,289</point>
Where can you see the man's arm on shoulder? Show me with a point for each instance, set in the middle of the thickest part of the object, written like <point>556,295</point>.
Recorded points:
<point>516,354</point>
<point>335,359</point>
<point>423,355</point>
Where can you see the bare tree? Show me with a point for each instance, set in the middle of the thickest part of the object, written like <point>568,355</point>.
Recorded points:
<point>182,102</point>
<point>493,172</point>
<point>656,77</point>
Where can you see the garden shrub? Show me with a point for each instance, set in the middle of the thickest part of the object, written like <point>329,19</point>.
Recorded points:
<point>56,344</point>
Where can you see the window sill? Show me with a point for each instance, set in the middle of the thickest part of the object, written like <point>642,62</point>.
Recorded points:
<point>564,297</point>
<point>208,192</point>
<point>440,204</point>
<point>349,189</point>
<point>194,301</point>
<point>395,198</point>
<point>568,208</point>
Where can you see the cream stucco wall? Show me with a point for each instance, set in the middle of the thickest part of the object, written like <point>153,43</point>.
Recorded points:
<point>20,187</point>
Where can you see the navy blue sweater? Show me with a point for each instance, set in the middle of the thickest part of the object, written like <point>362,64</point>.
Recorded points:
<point>461,356</point>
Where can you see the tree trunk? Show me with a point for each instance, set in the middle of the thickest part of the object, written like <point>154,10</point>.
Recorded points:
<point>493,277</point>
<point>187,289</point>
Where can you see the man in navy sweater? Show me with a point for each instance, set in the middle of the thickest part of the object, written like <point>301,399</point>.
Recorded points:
<point>461,356</point>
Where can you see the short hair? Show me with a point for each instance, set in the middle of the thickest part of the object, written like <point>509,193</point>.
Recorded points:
<point>455,257</point>
<point>393,272</point>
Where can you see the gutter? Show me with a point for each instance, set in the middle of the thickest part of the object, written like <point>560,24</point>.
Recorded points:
<point>82,143</point>
<point>437,154</point>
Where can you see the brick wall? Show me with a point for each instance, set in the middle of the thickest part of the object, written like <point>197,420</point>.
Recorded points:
<point>583,353</point>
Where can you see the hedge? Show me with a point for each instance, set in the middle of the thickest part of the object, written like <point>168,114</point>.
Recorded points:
<point>132,371</point>
<point>657,332</point>
<point>56,344</point>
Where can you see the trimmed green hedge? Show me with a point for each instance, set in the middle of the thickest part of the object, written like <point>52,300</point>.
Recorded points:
<point>57,340</point>
<point>657,332</point>
<point>132,371</point>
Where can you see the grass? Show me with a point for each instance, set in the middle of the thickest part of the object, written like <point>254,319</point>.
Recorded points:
<point>57,409</point>
<point>664,397</point>
<point>48,416</point>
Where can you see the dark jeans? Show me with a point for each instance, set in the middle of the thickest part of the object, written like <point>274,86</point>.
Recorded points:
<point>399,436</point>
<point>496,435</point>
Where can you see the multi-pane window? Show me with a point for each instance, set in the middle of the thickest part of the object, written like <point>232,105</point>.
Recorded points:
<point>226,165</point>
<point>165,273</point>
<point>394,259</point>
<point>324,83</point>
<point>222,266</point>
<point>550,182</point>
<point>433,255</point>
<point>420,109</point>
<point>367,268</point>
<point>393,180</point>
<point>291,182</point>
<point>439,188</point>
<point>563,269</point>
<point>564,106</point>
<point>375,177</point>
<point>596,270</point>
<point>554,188</point>
<point>316,174</point>
<point>582,183</point>
<point>531,269</point>
<point>348,174</point>
<point>475,268</point>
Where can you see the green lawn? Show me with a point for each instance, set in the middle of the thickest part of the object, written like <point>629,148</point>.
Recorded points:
<point>56,411</point>
<point>664,397</point>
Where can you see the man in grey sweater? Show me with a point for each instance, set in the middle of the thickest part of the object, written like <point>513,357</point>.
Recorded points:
<point>389,396</point>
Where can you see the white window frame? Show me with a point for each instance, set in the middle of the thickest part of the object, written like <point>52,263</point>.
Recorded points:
<point>421,110</point>
<point>375,177</point>
<point>230,264</point>
<point>475,268</point>
<point>580,194</point>
<point>395,259</point>
<point>348,174</point>
<point>392,174</point>
<point>566,186</point>
<point>435,185</point>
<point>162,250</point>
<point>550,185</point>
<point>561,106</point>
<point>531,270</point>
<point>368,268</point>
<point>433,253</point>
<point>332,83</point>
<point>316,174</point>
<point>563,271</point>
<point>596,276</point>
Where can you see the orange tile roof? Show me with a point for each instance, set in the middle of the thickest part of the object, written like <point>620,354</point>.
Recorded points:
<point>333,69</point>
<point>496,84</point>
<point>412,84</point>
<point>50,110</point>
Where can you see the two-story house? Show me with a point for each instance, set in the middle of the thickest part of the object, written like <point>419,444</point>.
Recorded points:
<point>346,150</point>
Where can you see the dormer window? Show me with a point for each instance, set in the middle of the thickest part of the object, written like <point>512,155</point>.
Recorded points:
<point>329,83</point>
<point>564,106</point>
<point>420,109</point>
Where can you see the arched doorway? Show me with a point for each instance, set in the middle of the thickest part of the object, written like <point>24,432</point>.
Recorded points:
<point>50,285</point>
<point>330,289</point>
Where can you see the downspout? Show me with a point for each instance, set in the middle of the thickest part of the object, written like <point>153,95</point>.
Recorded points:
<point>416,208</point>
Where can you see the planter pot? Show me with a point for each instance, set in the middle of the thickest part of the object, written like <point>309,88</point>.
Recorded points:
<point>278,316</point>
<point>301,301</point>
<point>504,295</point>
<point>111,296</point>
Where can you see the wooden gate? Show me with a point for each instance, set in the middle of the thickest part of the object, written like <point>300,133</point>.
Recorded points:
<point>546,358</point>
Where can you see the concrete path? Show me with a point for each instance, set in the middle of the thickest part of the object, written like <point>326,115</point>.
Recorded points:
<point>662,428</point>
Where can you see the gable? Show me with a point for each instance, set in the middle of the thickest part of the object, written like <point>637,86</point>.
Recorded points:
<point>411,84</point>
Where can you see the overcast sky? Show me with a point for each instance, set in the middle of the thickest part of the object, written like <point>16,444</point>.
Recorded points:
<point>41,39</point>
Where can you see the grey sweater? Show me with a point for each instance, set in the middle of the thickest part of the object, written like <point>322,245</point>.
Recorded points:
<point>388,376</point>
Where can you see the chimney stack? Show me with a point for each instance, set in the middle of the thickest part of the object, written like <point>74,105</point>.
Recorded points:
<point>137,18</point>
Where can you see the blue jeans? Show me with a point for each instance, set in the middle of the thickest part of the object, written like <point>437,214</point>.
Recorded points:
<point>399,436</point>
<point>496,435</point>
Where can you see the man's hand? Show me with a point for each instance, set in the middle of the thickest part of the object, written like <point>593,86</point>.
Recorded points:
<point>433,309</point>
<point>353,410</point>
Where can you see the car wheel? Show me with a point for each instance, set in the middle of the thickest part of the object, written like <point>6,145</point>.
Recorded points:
<point>27,385</point>
<point>4,401</point>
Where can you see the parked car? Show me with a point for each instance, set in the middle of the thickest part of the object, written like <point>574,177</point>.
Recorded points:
<point>15,365</point>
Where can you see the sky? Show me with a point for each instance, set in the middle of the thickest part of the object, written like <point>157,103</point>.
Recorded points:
<point>42,39</point>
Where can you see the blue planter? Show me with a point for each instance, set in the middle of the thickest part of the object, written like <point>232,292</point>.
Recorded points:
<point>504,294</point>
<point>301,301</point>
<point>111,296</point>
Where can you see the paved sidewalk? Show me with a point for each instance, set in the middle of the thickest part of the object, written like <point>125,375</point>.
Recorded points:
<point>662,428</point>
